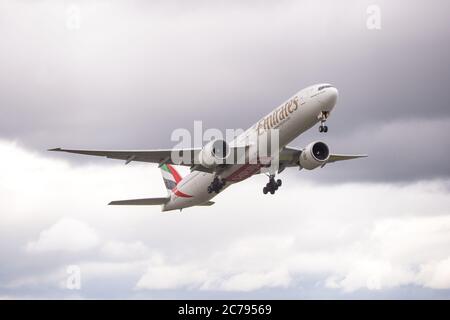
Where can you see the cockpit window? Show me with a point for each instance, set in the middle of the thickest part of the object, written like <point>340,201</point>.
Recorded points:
<point>325,86</point>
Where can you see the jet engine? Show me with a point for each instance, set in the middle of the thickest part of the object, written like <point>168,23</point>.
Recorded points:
<point>214,153</point>
<point>315,154</point>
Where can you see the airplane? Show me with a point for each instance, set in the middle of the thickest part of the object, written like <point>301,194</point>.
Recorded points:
<point>210,174</point>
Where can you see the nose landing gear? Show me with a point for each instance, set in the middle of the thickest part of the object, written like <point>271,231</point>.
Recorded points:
<point>272,185</point>
<point>216,185</point>
<point>323,118</point>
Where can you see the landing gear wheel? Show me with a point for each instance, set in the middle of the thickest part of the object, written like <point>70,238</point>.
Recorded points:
<point>323,116</point>
<point>272,185</point>
<point>323,128</point>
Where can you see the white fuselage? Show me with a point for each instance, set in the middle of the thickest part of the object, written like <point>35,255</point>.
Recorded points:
<point>298,114</point>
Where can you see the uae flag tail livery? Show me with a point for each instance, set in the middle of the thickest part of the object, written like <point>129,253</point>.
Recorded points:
<point>171,178</point>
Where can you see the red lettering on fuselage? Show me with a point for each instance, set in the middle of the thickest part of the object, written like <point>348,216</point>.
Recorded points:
<point>244,172</point>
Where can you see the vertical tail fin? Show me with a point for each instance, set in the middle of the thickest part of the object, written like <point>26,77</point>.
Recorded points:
<point>170,176</point>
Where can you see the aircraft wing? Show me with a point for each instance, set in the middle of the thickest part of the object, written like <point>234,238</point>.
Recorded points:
<point>152,156</point>
<point>341,157</point>
<point>159,156</point>
<point>289,157</point>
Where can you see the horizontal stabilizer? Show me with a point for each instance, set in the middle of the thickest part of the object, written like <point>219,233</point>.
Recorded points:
<point>140,202</point>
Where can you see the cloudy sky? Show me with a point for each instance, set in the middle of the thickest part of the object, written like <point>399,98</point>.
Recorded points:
<point>125,74</point>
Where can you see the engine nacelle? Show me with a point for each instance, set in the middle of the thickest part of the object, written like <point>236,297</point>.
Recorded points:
<point>315,154</point>
<point>214,153</point>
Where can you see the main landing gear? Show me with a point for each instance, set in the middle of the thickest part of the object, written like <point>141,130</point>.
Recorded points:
<point>272,185</point>
<point>216,185</point>
<point>323,118</point>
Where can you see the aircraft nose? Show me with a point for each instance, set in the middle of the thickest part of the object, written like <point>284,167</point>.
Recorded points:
<point>329,99</point>
<point>332,95</point>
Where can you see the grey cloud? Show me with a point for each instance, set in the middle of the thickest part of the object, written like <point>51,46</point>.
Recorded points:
<point>278,247</point>
<point>134,72</point>
<point>399,151</point>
